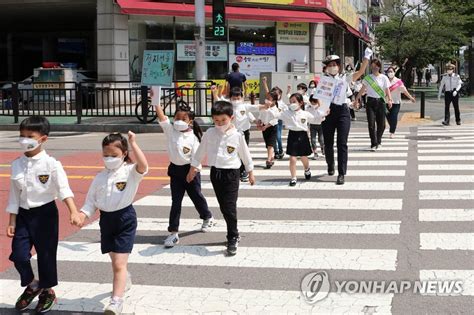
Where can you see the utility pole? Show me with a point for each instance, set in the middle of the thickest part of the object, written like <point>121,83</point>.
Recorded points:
<point>201,64</point>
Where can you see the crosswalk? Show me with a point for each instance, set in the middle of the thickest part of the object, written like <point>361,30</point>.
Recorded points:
<point>352,231</point>
<point>447,162</point>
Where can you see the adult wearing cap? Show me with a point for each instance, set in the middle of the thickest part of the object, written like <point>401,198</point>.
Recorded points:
<point>339,116</point>
<point>452,83</point>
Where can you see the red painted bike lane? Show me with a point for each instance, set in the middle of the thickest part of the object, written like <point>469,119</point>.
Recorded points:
<point>80,168</point>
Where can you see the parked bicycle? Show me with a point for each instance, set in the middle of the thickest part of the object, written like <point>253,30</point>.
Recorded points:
<point>173,98</point>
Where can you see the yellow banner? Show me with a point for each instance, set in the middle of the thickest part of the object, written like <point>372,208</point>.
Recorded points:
<point>345,11</point>
<point>253,85</point>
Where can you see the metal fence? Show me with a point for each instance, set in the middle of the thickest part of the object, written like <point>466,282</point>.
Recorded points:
<point>99,99</point>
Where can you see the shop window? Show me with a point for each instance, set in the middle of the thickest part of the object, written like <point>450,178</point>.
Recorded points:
<point>252,33</point>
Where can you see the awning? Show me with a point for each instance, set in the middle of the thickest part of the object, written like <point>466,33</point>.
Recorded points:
<point>143,7</point>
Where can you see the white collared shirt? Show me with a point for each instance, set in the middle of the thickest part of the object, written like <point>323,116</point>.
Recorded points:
<point>296,120</point>
<point>223,150</point>
<point>181,145</point>
<point>241,118</point>
<point>382,81</point>
<point>317,113</point>
<point>36,181</point>
<point>450,82</point>
<point>269,116</point>
<point>282,106</point>
<point>113,190</point>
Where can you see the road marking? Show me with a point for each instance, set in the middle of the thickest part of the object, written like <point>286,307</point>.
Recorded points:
<point>90,177</point>
<point>458,151</point>
<point>447,241</point>
<point>446,167</point>
<point>446,158</point>
<point>363,173</point>
<point>446,194</point>
<point>467,277</point>
<point>449,215</point>
<point>287,203</point>
<point>259,153</point>
<point>322,162</point>
<point>446,179</point>
<point>444,145</point>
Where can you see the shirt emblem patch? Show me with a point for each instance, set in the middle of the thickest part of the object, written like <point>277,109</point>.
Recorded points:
<point>242,112</point>
<point>230,149</point>
<point>43,178</point>
<point>186,150</point>
<point>121,185</point>
<point>303,120</point>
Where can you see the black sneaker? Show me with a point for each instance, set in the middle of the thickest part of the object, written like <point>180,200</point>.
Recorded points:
<point>330,170</point>
<point>47,299</point>
<point>232,246</point>
<point>458,123</point>
<point>307,174</point>
<point>26,298</point>
<point>281,155</point>
<point>269,165</point>
<point>244,177</point>
<point>445,123</point>
<point>340,180</point>
<point>292,182</point>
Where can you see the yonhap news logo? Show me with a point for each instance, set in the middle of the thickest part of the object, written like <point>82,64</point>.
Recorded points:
<point>316,286</point>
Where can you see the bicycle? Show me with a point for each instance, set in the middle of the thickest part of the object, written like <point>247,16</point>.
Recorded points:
<point>172,98</point>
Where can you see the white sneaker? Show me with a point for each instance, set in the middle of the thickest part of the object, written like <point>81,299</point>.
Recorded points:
<point>115,307</point>
<point>128,284</point>
<point>207,224</point>
<point>373,149</point>
<point>171,240</point>
<point>315,156</point>
<point>392,135</point>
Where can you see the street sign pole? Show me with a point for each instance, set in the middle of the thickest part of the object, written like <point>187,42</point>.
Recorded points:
<point>201,64</point>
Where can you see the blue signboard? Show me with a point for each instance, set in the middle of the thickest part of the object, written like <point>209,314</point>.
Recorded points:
<point>250,48</point>
<point>158,67</point>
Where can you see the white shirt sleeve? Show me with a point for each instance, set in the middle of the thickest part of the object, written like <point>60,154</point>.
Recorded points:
<point>89,205</point>
<point>166,125</point>
<point>459,86</point>
<point>198,156</point>
<point>133,172</point>
<point>60,178</point>
<point>244,154</point>
<point>194,150</point>
<point>13,198</point>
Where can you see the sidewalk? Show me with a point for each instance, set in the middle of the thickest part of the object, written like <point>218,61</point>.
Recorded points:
<point>409,116</point>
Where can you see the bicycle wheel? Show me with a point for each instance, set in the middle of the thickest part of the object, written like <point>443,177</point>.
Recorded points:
<point>151,117</point>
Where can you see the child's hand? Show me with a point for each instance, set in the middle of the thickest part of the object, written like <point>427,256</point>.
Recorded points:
<point>191,174</point>
<point>131,137</point>
<point>213,87</point>
<point>10,230</point>
<point>264,79</point>
<point>76,219</point>
<point>251,179</point>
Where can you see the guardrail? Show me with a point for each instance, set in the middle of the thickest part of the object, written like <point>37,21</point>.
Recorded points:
<point>98,99</point>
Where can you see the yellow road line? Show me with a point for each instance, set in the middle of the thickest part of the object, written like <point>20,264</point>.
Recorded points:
<point>91,177</point>
<point>94,167</point>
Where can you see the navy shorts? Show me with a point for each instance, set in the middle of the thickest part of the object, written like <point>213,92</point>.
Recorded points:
<point>117,230</point>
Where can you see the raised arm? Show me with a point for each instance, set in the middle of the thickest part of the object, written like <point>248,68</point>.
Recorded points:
<point>265,85</point>
<point>142,164</point>
<point>365,63</point>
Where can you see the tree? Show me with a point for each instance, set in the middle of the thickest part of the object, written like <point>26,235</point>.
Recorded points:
<point>429,32</point>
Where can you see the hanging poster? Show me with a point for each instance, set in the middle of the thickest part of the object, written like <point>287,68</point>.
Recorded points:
<point>158,67</point>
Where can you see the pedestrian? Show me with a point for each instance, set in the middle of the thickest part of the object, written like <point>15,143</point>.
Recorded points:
<point>36,180</point>
<point>242,119</point>
<point>311,87</point>
<point>419,75</point>
<point>315,128</point>
<point>236,79</point>
<point>301,89</point>
<point>296,119</point>
<point>451,83</point>
<point>350,93</point>
<point>267,123</point>
<point>279,153</point>
<point>225,148</point>
<point>338,117</point>
<point>183,137</point>
<point>428,77</point>
<point>377,86</point>
<point>112,192</point>
<point>396,89</point>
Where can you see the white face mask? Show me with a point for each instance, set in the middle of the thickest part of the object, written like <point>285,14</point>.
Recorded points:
<point>333,70</point>
<point>180,125</point>
<point>294,106</point>
<point>391,75</point>
<point>450,71</point>
<point>223,128</point>
<point>112,163</point>
<point>300,92</point>
<point>28,144</point>
<point>235,103</point>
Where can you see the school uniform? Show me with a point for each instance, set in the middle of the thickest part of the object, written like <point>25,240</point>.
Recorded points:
<point>269,117</point>
<point>112,192</point>
<point>451,83</point>
<point>224,153</point>
<point>315,129</point>
<point>241,121</point>
<point>279,145</point>
<point>35,184</point>
<point>338,119</point>
<point>376,108</point>
<point>181,148</point>
<point>298,141</point>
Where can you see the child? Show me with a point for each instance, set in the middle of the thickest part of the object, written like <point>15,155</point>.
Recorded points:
<point>37,179</point>
<point>281,107</point>
<point>112,192</point>
<point>242,120</point>
<point>301,89</point>
<point>267,123</point>
<point>296,119</point>
<point>315,126</point>
<point>224,147</point>
<point>183,140</point>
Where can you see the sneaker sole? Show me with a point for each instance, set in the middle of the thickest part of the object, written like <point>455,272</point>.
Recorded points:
<point>50,308</point>
<point>24,308</point>
<point>171,246</point>
<point>231,253</point>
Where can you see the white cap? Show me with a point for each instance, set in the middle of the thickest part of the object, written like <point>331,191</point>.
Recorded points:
<point>332,58</point>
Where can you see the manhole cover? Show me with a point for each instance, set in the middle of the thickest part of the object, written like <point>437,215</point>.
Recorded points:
<point>428,137</point>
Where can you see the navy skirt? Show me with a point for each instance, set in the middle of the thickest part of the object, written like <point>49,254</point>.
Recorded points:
<point>298,144</point>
